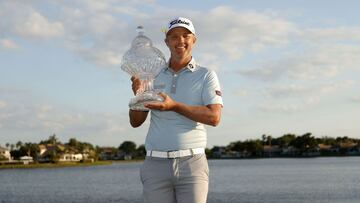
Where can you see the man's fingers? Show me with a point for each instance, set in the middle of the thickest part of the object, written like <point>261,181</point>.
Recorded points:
<point>134,78</point>
<point>163,95</point>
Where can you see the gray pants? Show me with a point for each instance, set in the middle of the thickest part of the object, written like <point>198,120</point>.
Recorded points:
<point>180,180</point>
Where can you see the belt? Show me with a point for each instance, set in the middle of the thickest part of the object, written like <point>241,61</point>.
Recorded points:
<point>175,154</point>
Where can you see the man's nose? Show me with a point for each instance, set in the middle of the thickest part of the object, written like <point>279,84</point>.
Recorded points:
<point>181,39</point>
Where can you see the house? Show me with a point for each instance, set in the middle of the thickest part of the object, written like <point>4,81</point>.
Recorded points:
<point>349,148</point>
<point>290,151</point>
<point>328,149</point>
<point>123,156</point>
<point>71,157</point>
<point>272,150</point>
<point>107,153</point>
<point>60,152</point>
<point>5,154</point>
<point>218,152</point>
<point>26,159</point>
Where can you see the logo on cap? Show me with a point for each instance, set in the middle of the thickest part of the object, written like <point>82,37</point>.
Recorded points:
<point>181,22</point>
<point>178,21</point>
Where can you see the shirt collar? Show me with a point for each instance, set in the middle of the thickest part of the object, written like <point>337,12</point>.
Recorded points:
<point>191,66</point>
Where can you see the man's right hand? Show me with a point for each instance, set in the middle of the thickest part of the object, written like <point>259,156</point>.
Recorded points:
<point>136,84</point>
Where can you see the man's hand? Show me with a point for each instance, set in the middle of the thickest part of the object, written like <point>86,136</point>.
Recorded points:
<point>167,105</point>
<point>209,114</point>
<point>136,85</point>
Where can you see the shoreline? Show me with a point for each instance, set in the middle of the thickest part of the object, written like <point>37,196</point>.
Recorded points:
<point>53,165</point>
<point>109,162</point>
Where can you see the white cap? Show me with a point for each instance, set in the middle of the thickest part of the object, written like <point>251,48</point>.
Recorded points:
<point>181,22</point>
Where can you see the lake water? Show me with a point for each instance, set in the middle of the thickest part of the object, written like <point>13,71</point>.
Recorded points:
<point>251,180</point>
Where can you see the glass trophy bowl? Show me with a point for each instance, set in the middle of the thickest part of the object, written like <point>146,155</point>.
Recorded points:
<point>144,61</point>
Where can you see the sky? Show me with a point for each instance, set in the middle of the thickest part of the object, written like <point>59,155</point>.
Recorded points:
<point>284,66</point>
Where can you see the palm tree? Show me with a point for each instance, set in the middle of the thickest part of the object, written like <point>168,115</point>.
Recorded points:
<point>269,138</point>
<point>19,144</point>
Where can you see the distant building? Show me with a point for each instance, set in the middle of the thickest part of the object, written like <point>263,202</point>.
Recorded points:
<point>71,157</point>
<point>272,150</point>
<point>26,159</point>
<point>290,151</point>
<point>349,148</point>
<point>5,154</point>
<point>64,153</point>
<point>107,153</point>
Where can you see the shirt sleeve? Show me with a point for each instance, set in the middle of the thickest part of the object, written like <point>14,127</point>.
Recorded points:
<point>211,93</point>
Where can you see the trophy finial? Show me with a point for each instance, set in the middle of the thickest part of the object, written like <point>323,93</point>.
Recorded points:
<point>140,30</point>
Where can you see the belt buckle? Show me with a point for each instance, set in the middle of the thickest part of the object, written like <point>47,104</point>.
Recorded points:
<point>173,154</point>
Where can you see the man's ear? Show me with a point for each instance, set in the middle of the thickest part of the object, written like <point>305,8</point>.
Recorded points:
<point>166,41</point>
<point>194,39</point>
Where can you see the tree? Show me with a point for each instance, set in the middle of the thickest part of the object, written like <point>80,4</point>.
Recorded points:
<point>269,139</point>
<point>29,149</point>
<point>73,142</point>
<point>263,139</point>
<point>286,139</point>
<point>305,142</point>
<point>236,146</point>
<point>128,147</point>
<point>7,145</point>
<point>141,152</point>
<point>19,144</point>
<point>254,147</point>
<point>51,140</point>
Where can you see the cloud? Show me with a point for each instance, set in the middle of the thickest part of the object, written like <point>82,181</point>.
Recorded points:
<point>42,119</point>
<point>295,90</point>
<point>3,104</point>
<point>332,33</point>
<point>291,98</point>
<point>8,44</point>
<point>280,108</point>
<point>233,33</point>
<point>100,29</point>
<point>36,25</point>
<point>355,99</point>
<point>322,61</point>
<point>23,20</point>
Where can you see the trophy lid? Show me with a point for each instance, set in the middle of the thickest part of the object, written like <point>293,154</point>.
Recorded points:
<point>142,57</point>
<point>141,40</point>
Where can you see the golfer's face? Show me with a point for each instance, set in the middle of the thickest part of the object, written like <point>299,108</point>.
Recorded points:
<point>180,42</point>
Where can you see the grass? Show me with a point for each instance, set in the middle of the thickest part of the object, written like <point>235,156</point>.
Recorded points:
<point>54,165</point>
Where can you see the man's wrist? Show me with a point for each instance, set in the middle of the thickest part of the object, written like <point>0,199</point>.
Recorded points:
<point>175,107</point>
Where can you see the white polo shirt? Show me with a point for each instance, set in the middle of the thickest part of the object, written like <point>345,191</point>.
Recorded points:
<point>192,85</point>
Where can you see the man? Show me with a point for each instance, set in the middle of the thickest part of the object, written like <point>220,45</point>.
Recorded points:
<point>176,168</point>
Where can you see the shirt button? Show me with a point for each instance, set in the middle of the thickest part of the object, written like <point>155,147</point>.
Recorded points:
<point>173,85</point>
<point>175,75</point>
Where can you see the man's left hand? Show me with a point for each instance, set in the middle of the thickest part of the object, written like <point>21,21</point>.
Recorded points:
<point>167,105</point>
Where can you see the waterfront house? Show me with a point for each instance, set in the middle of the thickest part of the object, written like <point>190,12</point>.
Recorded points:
<point>26,159</point>
<point>123,156</point>
<point>290,151</point>
<point>107,153</point>
<point>60,152</point>
<point>349,148</point>
<point>5,154</point>
<point>272,150</point>
<point>71,157</point>
<point>328,149</point>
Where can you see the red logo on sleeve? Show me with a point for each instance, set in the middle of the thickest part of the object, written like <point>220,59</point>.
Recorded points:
<point>217,92</point>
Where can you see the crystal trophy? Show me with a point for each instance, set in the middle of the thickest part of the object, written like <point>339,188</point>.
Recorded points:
<point>144,61</point>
